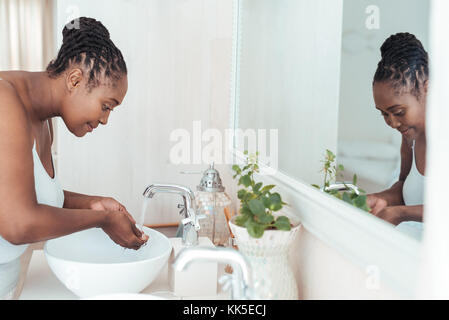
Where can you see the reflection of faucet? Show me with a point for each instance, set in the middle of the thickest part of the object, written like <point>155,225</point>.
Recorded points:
<point>190,221</point>
<point>342,186</point>
<point>241,279</point>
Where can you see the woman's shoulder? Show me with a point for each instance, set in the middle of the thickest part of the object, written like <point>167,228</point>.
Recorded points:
<point>9,97</point>
<point>13,112</point>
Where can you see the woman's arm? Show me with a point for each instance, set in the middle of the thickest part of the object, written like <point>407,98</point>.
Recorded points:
<point>393,196</point>
<point>73,200</point>
<point>22,219</point>
<point>398,214</point>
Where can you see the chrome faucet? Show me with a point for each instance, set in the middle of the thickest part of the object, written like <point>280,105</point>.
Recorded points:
<point>190,222</point>
<point>342,186</point>
<point>240,280</point>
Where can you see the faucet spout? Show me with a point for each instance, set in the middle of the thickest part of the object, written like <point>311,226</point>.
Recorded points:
<point>342,186</point>
<point>190,221</point>
<point>241,279</point>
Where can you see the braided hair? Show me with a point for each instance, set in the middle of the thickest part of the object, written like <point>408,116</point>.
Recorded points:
<point>404,63</point>
<point>88,43</point>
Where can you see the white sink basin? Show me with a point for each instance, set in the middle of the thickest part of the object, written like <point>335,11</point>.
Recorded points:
<point>90,264</point>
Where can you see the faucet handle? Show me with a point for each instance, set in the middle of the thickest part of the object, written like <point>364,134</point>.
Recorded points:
<point>194,220</point>
<point>228,281</point>
<point>183,208</point>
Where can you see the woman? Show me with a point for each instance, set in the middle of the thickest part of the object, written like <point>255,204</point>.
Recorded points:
<point>400,90</point>
<point>86,81</point>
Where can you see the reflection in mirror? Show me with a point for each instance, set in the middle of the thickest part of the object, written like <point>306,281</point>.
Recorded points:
<point>369,137</point>
<point>306,69</point>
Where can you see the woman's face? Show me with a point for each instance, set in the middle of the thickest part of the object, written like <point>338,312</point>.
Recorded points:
<point>82,111</point>
<point>401,111</point>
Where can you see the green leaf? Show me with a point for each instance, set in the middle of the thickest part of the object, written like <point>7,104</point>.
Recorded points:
<point>236,168</point>
<point>245,152</point>
<point>360,201</point>
<point>267,188</point>
<point>257,187</point>
<point>316,186</point>
<point>347,198</point>
<point>266,202</point>
<point>241,194</point>
<point>275,198</point>
<point>249,196</point>
<point>276,202</point>
<point>354,179</point>
<point>265,218</point>
<point>282,223</point>
<point>245,180</point>
<point>255,229</point>
<point>242,219</point>
<point>257,207</point>
<point>244,210</point>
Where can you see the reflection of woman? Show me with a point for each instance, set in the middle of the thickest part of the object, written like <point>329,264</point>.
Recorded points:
<point>400,89</point>
<point>82,85</point>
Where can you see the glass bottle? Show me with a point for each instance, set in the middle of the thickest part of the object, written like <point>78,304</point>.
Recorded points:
<point>214,203</point>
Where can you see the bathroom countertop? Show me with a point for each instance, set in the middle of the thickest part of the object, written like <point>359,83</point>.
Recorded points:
<point>42,284</point>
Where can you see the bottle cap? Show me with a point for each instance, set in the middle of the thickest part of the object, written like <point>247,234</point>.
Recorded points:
<point>211,181</point>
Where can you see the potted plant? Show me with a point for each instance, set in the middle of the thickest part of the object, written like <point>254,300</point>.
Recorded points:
<point>263,234</point>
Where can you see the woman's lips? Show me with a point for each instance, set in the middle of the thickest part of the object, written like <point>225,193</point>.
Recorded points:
<point>405,132</point>
<point>90,128</point>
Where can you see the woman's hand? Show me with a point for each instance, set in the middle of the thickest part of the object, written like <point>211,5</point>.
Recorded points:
<point>393,214</point>
<point>105,204</point>
<point>121,228</point>
<point>379,208</point>
<point>376,203</point>
<point>110,204</point>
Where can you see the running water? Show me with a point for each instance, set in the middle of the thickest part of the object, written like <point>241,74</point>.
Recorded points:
<point>141,219</point>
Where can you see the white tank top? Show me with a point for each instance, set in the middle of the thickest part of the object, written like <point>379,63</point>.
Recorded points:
<point>413,194</point>
<point>48,191</point>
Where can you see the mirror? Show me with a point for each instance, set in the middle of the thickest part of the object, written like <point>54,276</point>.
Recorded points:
<point>305,71</point>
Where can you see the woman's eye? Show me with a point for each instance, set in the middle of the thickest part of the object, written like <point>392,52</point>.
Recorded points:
<point>399,114</point>
<point>106,108</point>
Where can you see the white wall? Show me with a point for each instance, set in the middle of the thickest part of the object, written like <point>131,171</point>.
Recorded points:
<point>358,118</point>
<point>322,272</point>
<point>179,59</point>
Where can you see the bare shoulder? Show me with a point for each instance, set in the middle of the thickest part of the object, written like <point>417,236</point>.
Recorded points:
<point>13,112</point>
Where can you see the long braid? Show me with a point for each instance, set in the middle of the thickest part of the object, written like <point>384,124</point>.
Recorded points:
<point>90,45</point>
<point>404,63</point>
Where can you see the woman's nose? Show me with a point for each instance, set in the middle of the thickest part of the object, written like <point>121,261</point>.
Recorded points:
<point>104,119</point>
<point>392,122</point>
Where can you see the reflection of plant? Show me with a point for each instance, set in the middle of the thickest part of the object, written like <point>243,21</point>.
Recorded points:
<point>331,173</point>
<point>257,201</point>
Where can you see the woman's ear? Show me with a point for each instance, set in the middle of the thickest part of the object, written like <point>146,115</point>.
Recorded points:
<point>426,86</point>
<point>74,78</point>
